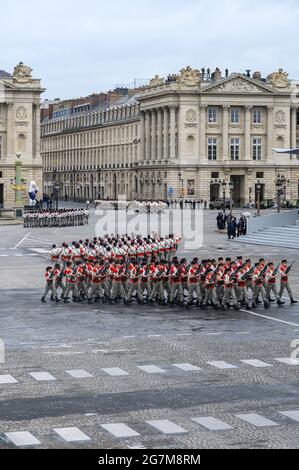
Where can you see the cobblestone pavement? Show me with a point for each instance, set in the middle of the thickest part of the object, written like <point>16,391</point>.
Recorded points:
<point>141,377</point>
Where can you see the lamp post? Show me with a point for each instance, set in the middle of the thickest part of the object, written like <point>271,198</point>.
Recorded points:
<point>182,185</point>
<point>231,189</point>
<point>56,187</point>
<point>280,181</point>
<point>18,186</point>
<point>258,187</point>
<point>223,185</point>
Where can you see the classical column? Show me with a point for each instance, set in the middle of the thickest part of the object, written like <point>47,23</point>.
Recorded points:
<point>294,131</point>
<point>147,136</point>
<point>247,144</point>
<point>270,133</point>
<point>160,135</point>
<point>37,130</point>
<point>10,130</point>
<point>142,136</point>
<point>172,132</point>
<point>154,134</point>
<point>225,152</point>
<point>203,119</point>
<point>166,134</point>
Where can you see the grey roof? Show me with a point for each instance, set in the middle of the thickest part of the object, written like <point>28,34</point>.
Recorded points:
<point>4,74</point>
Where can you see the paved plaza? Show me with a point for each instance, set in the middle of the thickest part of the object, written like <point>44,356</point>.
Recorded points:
<point>114,376</point>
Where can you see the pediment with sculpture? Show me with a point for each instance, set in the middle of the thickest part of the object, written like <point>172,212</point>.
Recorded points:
<point>237,85</point>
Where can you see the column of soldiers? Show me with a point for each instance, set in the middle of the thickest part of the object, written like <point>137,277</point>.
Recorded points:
<point>55,218</point>
<point>147,270</point>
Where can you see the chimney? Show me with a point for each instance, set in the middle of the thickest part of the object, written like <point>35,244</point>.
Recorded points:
<point>217,74</point>
<point>257,76</point>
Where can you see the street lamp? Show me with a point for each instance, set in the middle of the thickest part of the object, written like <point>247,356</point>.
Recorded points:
<point>280,183</point>
<point>231,188</point>
<point>223,185</point>
<point>258,190</point>
<point>182,184</point>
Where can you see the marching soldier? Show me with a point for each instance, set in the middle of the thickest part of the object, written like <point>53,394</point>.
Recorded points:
<point>50,286</point>
<point>284,281</point>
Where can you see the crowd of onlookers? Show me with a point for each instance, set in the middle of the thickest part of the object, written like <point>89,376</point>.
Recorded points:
<point>235,228</point>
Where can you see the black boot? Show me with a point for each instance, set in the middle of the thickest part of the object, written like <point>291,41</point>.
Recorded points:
<point>294,301</point>
<point>43,300</point>
<point>279,302</point>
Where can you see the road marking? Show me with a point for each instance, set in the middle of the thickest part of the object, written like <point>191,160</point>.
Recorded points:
<point>288,360</point>
<point>222,365</point>
<point>167,427</point>
<point>269,318</point>
<point>42,376</point>
<point>21,241</point>
<point>256,363</point>
<point>79,374</point>
<point>212,424</point>
<point>7,379</point>
<point>120,430</point>
<point>72,434</point>
<point>257,420</point>
<point>186,367</point>
<point>40,250</point>
<point>151,369</point>
<point>214,334</point>
<point>23,438</point>
<point>115,371</point>
<point>293,414</point>
<point>154,336</point>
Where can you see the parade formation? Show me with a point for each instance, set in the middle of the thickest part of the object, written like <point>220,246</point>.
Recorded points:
<point>55,218</point>
<point>126,269</point>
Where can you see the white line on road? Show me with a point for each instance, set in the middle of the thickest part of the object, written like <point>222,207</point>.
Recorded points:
<point>256,363</point>
<point>151,369</point>
<point>167,427</point>
<point>293,414</point>
<point>212,424</point>
<point>7,379</point>
<point>256,420</point>
<point>42,376</point>
<point>187,367</point>
<point>21,241</point>
<point>269,318</point>
<point>72,434</point>
<point>120,430</point>
<point>23,438</point>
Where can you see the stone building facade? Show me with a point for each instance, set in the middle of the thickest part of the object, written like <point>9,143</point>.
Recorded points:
<point>19,132</point>
<point>176,137</point>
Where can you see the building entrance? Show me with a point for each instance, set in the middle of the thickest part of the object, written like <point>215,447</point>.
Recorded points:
<point>1,196</point>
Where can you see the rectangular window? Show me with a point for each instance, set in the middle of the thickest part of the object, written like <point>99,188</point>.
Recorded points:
<point>215,175</point>
<point>256,116</point>
<point>260,175</point>
<point>297,118</point>
<point>190,188</point>
<point>234,116</point>
<point>212,149</point>
<point>212,115</point>
<point>234,149</point>
<point>257,149</point>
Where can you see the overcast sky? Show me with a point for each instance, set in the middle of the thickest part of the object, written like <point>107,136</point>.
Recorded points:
<point>78,47</point>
